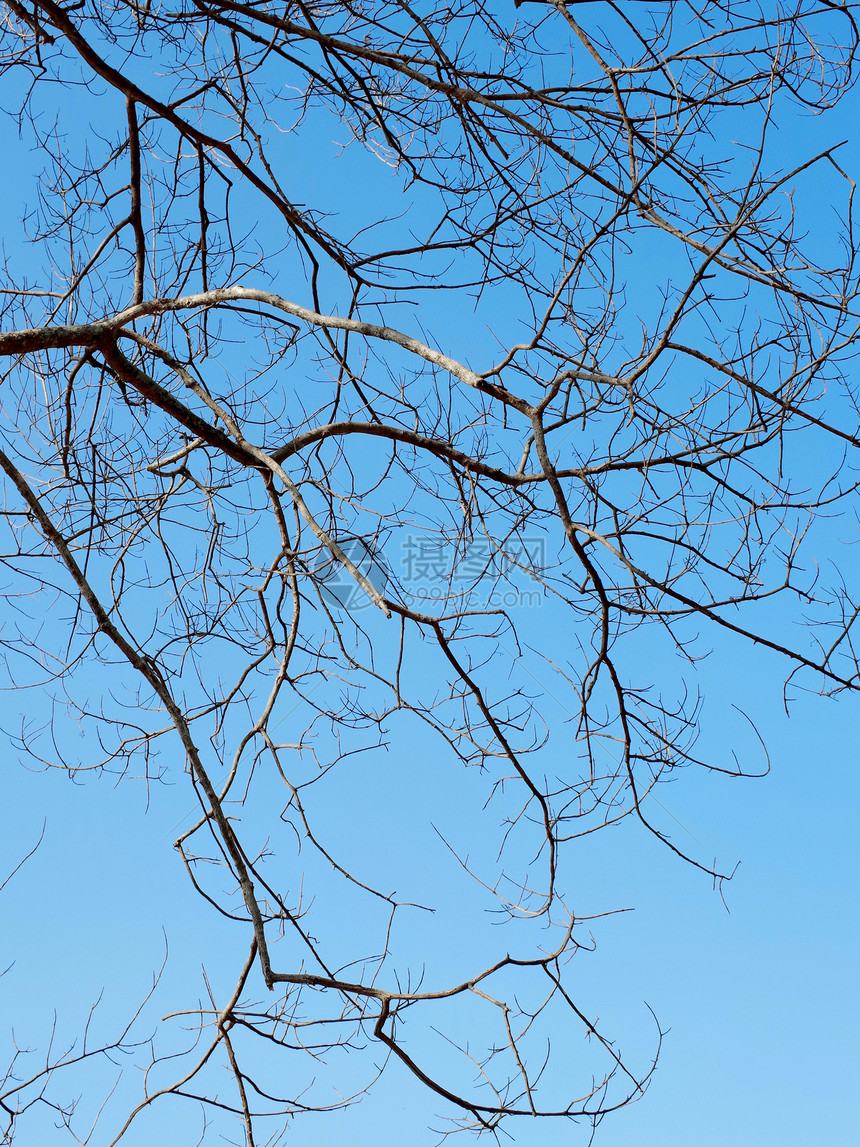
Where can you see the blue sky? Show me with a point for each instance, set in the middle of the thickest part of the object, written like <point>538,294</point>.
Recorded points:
<point>755,989</point>
<point>760,1001</point>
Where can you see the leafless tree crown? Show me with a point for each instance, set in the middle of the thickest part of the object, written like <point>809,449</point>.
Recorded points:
<point>379,375</point>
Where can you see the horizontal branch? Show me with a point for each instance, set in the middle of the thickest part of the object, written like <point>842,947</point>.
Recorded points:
<point>56,337</point>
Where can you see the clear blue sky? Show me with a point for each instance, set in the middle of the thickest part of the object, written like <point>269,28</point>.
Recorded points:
<point>756,990</point>
<point>761,1001</point>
